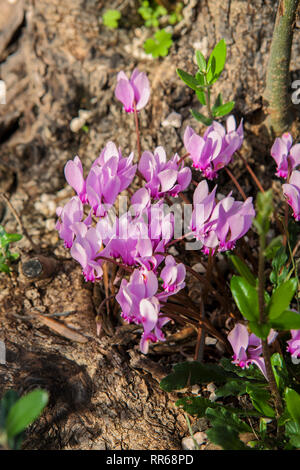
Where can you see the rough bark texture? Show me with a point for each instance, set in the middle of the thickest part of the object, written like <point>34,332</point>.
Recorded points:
<point>277,77</point>
<point>56,59</point>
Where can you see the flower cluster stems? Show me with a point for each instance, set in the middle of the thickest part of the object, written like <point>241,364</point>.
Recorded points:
<point>138,139</point>
<point>263,320</point>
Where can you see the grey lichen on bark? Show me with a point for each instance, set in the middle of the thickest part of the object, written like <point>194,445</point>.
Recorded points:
<point>276,92</point>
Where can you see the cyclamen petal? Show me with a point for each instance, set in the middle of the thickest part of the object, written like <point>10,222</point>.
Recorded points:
<point>74,176</point>
<point>286,156</point>
<point>294,344</point>
<point>141,88</point>
<point>125,93</point>
<point>247,347</point>
<point>291,191</point>
<point>135,90</point>
<point>215,149</point>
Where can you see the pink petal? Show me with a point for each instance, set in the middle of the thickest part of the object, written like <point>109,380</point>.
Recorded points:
<point>124,93</point>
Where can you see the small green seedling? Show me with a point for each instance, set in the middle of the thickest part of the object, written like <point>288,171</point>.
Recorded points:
<point>16,414</point>
<point>160,45</point>
<point>208,73</point>
<point>110,18</point>
<point>6,256</point>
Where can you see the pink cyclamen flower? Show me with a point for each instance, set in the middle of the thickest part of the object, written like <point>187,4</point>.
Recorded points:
<point>247,347</point>
<point>74,176</point>
<point>291,191</point>
<point>173,275</point>
<point>219,225</point>
<point>110,174</point>
<point>85,249</point>
<point>215,149</point>
<point>140,300</point>
<point>233,219</point>
<point>134,90</point>
<point>286,156</point>
<point>139,304</point>
<point>69,219</point>
<point>294,344</point>
<point>164,177</point>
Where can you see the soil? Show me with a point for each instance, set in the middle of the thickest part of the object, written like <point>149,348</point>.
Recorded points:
<point>56,59</point>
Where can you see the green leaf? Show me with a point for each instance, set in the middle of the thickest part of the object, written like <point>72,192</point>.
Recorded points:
<point>198,406</point>
<point>242,269</point>
<point>216,62</point>
<point>264,208</point>
<point>201,97</point>
<point>188,79</point>
<point>281,298</point>
<point>273,247</point>
<point>110,18</point>
<point>223,109</point>
<point>195,406</point>
<point>226,437</point>
<point>246,297</point>
<point>260,330</point>
<point>260,399</point>
<point>10,238</point>
<point>280,371</point>
<point>8,400</point>
<point>292,430</point>
<point>191,373</point>
<point>279,259</point>
<point>218,102</point>
<point>251,373</point>
<point>233,388</point>
<point>201,118</point>
<point>200,93</point>
<point>25,411</point>
<point>292,399</point>
<point>201,61</point>
<point>13,256</point>
<point>160,45</point>
<point>288,320</point>
<point>222,416</point>
<point>4,268</point>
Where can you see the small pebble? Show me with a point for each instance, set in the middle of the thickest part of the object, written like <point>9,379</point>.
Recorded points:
<point>189,444</point>
<point>199,268</point>
<point>212,389</point>
<point>173,251</point>
<point>201,46</point>
<point>78,122</point>
<point>173,120</point>
<point>210,341</point>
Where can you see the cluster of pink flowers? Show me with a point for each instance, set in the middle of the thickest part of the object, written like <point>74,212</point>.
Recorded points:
<point>164,177</point>
<point>140,299</point>
<point>137,239</point>
<point>215,149</point>
<point>219,225</point>
<point>287,158</point>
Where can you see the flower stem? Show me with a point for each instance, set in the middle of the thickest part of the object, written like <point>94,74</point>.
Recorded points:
<point>236,183</point>
<point>138,140</point>
<point>263,320</point>
<point>254,177</point>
